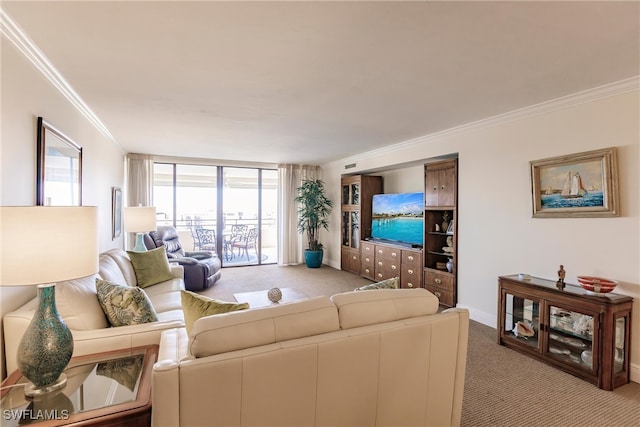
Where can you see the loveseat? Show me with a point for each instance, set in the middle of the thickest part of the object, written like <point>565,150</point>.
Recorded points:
<point>373,358</point>
<point>78,305</point>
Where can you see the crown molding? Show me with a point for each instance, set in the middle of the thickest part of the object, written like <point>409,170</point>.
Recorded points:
<point>15,34</point>
<point>604,91</point>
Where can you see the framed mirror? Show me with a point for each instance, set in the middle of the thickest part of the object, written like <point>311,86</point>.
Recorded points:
<point>59,168</point>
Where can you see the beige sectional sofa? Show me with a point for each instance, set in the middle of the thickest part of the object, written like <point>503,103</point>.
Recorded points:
<point>371,358</point>
<point>78,305</point>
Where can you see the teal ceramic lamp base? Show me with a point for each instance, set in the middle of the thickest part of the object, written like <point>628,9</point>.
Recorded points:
<point>46,347</point>
<point>140,247</point>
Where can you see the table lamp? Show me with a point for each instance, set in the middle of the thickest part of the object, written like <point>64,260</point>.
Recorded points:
<point>139,220</point>
<point>71,234</point>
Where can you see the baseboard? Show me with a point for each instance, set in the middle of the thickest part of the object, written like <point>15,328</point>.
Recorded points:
<point>491,321</point>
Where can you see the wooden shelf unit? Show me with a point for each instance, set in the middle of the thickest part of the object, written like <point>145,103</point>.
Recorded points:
<point>441,198</point>
<point>355,216</point>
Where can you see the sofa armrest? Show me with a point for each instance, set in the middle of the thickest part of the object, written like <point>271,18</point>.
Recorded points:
<point>177,270</point>
<point>166,378</point>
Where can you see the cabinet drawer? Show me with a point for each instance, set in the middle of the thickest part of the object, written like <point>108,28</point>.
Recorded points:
<point>410,278</point>
<point>367,248</point>
<point>367,259</point>
<point>438,280</point>
<point>445,297</point>
<point>367,271</point>
<point>411,259</point>
<point>388,253</point>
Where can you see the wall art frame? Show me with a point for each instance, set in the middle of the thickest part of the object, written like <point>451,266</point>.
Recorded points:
<point>58,168</point>
<point>581,185</point>
<point>116,212</point>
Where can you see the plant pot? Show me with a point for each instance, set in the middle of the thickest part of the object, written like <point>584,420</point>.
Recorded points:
<point>313,259</point>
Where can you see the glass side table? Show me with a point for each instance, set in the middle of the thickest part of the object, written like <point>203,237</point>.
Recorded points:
<point>111,388</point>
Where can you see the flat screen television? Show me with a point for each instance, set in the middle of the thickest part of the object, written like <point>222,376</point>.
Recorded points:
<point>398,217</point>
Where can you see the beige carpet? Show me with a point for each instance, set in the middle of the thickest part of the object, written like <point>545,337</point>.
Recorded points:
<point>502,387</point>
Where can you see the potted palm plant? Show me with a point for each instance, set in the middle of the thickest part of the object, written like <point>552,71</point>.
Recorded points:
<point>313,210</point>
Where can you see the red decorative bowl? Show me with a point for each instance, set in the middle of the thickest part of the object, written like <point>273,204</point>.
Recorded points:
<point>597,285</point>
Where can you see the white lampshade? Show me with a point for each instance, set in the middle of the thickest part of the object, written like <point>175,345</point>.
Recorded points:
<point>47,244</point>
<point>139,219</point>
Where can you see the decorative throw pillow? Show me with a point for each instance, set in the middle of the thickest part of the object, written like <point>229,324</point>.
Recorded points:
<point>151,267</point>
<point>196,306</point>
<point>385,284</point>
<point>124,305</point>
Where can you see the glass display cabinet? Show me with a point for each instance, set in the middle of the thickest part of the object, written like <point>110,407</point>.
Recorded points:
<point>584,334</point>
<point>355,213</point>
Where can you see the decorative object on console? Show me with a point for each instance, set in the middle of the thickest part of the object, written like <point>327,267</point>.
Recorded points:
<point>576,185</point>
<point>274,294</point>
<point>561,275</point>
<point>313,213</point>
<point>449,265</point>
<point>47,345</point>
<point>139,220</point>
<point>597,285</point>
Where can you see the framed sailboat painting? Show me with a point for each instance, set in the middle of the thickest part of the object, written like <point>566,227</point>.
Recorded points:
<point>576,185</point>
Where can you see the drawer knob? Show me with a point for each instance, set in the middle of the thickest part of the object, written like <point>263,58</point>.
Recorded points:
<point>355,257</point>
<point>394,254</point>
<point>435,188</point>
<point>409,285</point>
<point>442,187</point>
<point>438,294</point>
<point>437,280</point>
<point>393,267</point>
<point>380,275</point>
<point>367,259</point>
<point>366,270</point>
<point>410,257</point>
<point>410,271</point>
<point>380,251</point>
<point>380,263</point>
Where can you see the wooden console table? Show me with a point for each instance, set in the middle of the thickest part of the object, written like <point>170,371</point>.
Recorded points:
<point>583,334</point>
<point>103,389</point>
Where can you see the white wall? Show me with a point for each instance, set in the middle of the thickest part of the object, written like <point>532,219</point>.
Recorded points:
<point>26,94</point>
<point>497,234</point>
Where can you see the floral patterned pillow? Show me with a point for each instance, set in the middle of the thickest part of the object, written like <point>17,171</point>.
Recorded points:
<point>124,305</point>
<point>385,284</point>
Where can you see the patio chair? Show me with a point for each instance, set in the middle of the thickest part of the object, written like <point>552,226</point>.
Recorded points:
<point>245,242</point>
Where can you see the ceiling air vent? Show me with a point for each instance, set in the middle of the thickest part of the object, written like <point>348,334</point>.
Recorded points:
<point>350,166</point>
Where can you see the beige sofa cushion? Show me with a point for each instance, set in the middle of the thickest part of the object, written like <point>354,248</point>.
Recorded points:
<point>123,262</point>
<point>383,305</point>
<point>250,328</point>
<point>78,304</point>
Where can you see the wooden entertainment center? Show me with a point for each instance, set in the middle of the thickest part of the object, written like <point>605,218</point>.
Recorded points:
<point>432,266</point>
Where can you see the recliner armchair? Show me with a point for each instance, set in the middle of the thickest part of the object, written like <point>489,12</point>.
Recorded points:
<point>201,268</point>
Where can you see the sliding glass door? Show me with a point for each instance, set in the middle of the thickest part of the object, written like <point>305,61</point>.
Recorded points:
<point>229,210</point>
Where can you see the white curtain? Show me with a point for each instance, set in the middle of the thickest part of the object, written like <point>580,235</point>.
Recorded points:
<point>139,179</point>
<point>290,242</point>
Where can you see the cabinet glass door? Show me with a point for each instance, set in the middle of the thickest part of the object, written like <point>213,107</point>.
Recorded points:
<point>620,350</point>
<point>346,227</point>
<point>571,338</point>
<point>355,194</point>
<point>522,320</point>
<point>355,229</point>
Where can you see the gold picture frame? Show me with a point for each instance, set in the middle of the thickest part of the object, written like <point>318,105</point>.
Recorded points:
<point>578,185</point>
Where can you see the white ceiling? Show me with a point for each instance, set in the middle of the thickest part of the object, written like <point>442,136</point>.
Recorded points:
<point>311,82</point>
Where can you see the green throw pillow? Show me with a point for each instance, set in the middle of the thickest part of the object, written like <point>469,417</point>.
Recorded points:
<point>124,305</point>
<point>385,284</point>
<point>151,267</point>
<point>196,306</point>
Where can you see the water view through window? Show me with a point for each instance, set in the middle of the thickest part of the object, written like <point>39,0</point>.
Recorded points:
<point>230,210</point>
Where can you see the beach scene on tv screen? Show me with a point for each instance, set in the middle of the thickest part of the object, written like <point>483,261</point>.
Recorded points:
<point>398,217</point>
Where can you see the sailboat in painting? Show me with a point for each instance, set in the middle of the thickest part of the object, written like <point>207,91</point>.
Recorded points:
<point>573,186</point>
